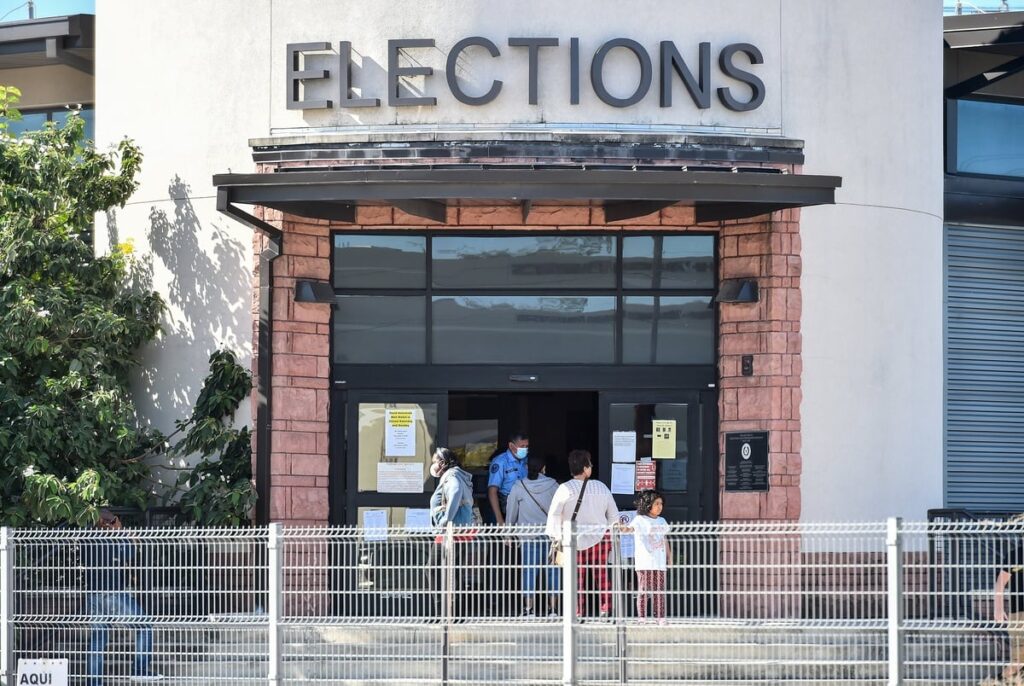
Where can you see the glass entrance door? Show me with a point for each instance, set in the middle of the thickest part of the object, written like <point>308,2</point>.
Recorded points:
<point>659,437</point>
<point>391,437</point>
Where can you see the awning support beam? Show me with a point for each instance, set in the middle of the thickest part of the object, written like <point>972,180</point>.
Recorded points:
<point>986,78</point>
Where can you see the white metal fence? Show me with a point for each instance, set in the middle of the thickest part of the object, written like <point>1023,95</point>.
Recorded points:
<point>885,602</point>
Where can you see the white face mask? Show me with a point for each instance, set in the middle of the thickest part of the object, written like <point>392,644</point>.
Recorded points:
<point>435,470</point>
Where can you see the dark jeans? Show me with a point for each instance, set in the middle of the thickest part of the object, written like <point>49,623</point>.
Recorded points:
<point>105,608</point>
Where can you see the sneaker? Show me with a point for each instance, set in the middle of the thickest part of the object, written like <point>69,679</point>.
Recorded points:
<point>528,612</point>
<point>662,621</point>
<point>554,613</point>
<point>142,678</point>
<point>604,614</point>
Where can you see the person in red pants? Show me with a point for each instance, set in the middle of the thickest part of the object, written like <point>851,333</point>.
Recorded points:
<point>591,504</point>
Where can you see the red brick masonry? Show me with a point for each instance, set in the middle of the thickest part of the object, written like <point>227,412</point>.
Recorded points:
<point>767,248</point>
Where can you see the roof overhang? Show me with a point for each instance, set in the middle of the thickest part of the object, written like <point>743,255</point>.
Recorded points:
<point>994,32</point>
<point>66,40</point>
<point>715,195</point>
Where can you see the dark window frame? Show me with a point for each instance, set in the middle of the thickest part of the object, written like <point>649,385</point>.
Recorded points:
<point>952,138</point>
<point>618,291</point>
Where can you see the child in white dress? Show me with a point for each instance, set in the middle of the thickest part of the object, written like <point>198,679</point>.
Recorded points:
<point>650,531</point>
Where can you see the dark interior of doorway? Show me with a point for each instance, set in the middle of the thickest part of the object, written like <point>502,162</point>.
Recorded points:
<point>479,424</point>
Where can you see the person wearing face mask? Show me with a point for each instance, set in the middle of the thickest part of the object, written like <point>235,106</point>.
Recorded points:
<point>452,500</point>
<point>507,469</point>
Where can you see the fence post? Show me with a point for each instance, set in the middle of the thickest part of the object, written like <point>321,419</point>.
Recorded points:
<point>274,544</point>
<point>447,574</point>
<point>7,674</point>
<point>894,562</point>
<point>569,592</point>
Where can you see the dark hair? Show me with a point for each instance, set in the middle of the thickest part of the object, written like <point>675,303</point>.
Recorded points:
<point>106,517</point>
<point>645,501</point>
<point>446,458</point>
<point>534,463</point>
<point>517,436</point>
<point>578,461</point>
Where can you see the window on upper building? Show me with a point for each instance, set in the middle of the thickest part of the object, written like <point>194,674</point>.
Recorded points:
<point>988,138</point>
<point>34,120</point>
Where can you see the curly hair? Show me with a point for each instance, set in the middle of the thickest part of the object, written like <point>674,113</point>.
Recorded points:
<point>645,501</point>
<point>446,459</point>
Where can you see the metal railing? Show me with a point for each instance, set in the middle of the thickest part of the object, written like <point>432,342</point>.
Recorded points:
<point>878,602</point>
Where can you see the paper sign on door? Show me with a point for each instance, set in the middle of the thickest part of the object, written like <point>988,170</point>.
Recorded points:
<point>400,433</point>
<point>663,442</point>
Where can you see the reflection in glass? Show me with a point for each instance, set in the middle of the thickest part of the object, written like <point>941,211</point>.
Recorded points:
<point>371,439</point>
<point>523,329</point>
<point>379,329</point>
<point>524,262</point>
<point>367,261</point>
<point>668,330</point>
<point>988,138</point>
<point>639,417</point>
<point>668,262</point>
<point>31,121</point>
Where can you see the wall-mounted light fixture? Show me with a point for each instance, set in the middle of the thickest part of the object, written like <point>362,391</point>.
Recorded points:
<point>737,291</point>
<point>313,292</point>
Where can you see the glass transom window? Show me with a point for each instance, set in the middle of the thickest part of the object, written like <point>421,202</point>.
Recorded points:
<point>609,298</point>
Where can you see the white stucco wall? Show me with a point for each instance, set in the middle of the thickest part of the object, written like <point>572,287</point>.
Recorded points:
<point>859,82</point>
<point>187,81</point>
<point>872,279</point>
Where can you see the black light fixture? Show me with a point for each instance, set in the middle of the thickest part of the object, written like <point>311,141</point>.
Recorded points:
<point>737,291</point>
<point>313,292</point>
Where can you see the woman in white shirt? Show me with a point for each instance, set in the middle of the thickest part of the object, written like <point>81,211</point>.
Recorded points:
<point>597,513</point>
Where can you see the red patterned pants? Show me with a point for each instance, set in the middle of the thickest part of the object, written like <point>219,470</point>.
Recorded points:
<point>650,582</point>
<point>593,561</point>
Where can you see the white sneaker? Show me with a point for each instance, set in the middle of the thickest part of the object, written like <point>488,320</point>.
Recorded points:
<point>145,678</point>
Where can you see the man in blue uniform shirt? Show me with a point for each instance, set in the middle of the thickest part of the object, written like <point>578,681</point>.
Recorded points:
<point>506,469</point>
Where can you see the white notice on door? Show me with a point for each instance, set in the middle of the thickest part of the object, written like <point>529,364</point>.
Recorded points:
<point>375,525</point>
<point>400,433</point>
<point>417,518</point>
<point>623,446</point>
<point>623,477</point>
<point>43,672</point>
<point>399,477</point>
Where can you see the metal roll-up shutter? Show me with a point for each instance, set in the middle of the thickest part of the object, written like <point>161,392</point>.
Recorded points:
<point>985,367</point>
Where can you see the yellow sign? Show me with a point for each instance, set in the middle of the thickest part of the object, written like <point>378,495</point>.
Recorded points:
<point>663,444</point>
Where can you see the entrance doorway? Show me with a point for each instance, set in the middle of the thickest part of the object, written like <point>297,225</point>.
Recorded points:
<point>476,424</point>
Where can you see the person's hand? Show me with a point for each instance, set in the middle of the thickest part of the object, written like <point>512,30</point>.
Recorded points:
<point>1000,614</point>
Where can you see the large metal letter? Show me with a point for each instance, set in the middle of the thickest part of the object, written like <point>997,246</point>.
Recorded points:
<point>700,90</point>
<point>574,71</point>
<point>597,72</point>
<point>534,45</point>
<point>453,81</point>
<point>730,69</point>
<point>345,79</point>
<point>395,71</point>
<point>295,75</point>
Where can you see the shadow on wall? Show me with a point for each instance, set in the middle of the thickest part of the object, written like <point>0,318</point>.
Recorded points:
<point>207,270</point>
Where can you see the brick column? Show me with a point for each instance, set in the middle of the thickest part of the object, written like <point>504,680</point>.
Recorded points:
<point>768,250</point>
<point>300,382</point>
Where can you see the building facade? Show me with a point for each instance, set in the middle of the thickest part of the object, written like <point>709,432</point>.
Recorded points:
<point>676,231</point>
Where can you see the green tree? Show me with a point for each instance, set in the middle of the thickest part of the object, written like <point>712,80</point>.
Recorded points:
<point>71,325</point>
<point>219,488</point>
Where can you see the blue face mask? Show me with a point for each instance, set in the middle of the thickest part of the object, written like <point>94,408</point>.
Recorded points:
<point>521,453</point>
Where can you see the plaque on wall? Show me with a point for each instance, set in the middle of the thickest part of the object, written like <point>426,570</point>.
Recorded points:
<point>746,461</point>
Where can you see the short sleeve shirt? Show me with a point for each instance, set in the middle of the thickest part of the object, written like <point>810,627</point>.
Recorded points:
<point>649,539</point>
<point>506,470</point>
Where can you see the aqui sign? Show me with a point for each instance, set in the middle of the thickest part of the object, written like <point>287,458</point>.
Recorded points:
<point>42,673</point>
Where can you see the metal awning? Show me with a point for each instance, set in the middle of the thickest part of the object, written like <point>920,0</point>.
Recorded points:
<point>715,195</point>
<point>53,40</point>
<point>995,32</point>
